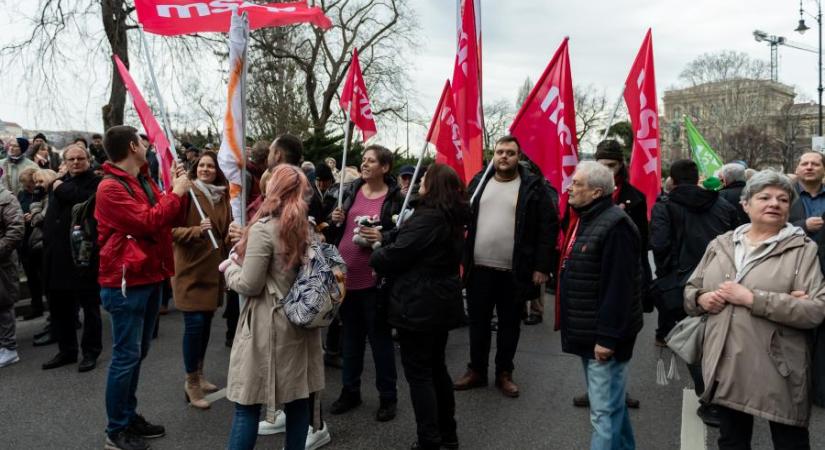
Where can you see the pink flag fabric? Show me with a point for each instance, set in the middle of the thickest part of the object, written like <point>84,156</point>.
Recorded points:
<point>355,100</point>
<point>467,92</point>
<point>174,17</point>
<point>445,134</point>
<point>640,96</point>
<point>546,124</point>
<point>150,124</point>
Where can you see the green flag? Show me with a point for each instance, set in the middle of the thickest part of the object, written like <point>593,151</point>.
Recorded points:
<point>704,156</point>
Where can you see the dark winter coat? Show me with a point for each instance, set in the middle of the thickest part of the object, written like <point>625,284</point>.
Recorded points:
<point>732,194</point>
<point>601,283</point>
<point>392,206</point>
<point>421,260</point>
<point>59,270</point>
<point>534,239</point>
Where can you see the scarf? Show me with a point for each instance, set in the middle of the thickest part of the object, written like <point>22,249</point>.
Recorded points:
<point>745,259</point>
<point>210,191</point>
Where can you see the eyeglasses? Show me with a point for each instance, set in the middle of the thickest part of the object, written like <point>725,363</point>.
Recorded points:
<point>71,160</point>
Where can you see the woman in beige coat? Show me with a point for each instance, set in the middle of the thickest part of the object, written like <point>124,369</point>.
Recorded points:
<point>272,362</point>
<point>197,286</point>
<point>761,288</point>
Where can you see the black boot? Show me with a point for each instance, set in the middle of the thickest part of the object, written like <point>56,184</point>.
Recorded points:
<point>346,401</point>
<point>386,411</point>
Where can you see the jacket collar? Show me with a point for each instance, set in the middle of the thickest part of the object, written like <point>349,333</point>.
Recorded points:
<point>793,239</point>
<point>595,208</point>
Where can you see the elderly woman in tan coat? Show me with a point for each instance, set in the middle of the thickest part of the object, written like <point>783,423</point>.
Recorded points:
<point>761,288</point>
<point>197,286</point>
<point>272,362</point>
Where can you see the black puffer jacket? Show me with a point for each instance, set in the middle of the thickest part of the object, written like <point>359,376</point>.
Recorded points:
<point>682,225</point>
<point>421,260</point>
<point>392,206</point>
<point>732,194</point>
<point>537,227</point>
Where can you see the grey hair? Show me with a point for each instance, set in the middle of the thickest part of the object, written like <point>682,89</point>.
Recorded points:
<point>768,178</point>
<point>85,150</point>
<point>732,172</point>
<point>598,176</point>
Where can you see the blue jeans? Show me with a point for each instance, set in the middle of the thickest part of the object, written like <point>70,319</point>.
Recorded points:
<point>245,425</point>
<point>361,321</point>
<point>608,411</point>
<point>197,327</point>
<point>133,319</point>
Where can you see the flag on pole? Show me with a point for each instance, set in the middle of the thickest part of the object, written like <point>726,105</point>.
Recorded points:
<point>546,124</point>
<point>640,96</point>
<point>703,155</point>
<point>231,156</point>
<point>355,100</point>
<point>445,134</point>
<point>467,92</point>
<point>150,125</point>
<point>174,17</point>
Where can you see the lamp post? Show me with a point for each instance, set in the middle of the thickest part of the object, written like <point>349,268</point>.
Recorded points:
<point>802,28</point>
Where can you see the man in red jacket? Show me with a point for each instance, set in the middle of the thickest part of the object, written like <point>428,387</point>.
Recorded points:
<point>135,239</point>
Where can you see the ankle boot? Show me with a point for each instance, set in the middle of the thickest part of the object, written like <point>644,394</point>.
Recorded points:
<point>205,385</point>
<point>194,393</point>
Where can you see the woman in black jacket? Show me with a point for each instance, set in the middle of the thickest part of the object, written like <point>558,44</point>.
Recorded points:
<point>421,260</point>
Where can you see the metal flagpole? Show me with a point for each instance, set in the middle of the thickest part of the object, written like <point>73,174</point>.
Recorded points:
<point>167,128</point>
<point>402,215</point>
<point>343,162</point>
<point>483,177</point>
<point>613,114</point>
<point>243,122</point>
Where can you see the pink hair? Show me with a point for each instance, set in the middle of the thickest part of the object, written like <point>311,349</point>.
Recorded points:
<point>285,201</point>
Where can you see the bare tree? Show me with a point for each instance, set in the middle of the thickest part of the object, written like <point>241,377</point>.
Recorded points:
<point>497,118</point>
<point>753,145</point>
<point>591,105</point>
<point>725,65</point>
<point>523,92</point>
<point>789,133</point>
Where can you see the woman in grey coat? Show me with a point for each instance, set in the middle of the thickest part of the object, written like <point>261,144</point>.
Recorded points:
<point>11,233</point>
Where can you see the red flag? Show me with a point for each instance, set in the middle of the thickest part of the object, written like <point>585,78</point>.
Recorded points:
<point>150,124</point>
<point>173,17</point>
<point>445,134</point>
<point>546,124</point>
<point>355,101</point>
<point>640,96</point>
<point>467,92</point>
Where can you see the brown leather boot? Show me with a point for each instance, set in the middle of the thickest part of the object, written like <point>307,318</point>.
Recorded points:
<point>194,393</point>
<point>205,385</point>
<point>471,379</point>
<point>504,383</point>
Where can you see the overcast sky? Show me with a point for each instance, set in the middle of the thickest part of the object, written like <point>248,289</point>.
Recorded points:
<point>519,39</point>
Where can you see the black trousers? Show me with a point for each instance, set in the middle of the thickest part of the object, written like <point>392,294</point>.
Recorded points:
<point>431,388</point>
<point>736,430</point>
<point>231,312</point>
<point>488,289</point>
<point>63,306</point>
<point>32,261</point>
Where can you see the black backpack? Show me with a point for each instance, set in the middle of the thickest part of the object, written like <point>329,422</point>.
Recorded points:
<point>83,229</point>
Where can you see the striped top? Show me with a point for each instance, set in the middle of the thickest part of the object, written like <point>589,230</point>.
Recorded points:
<point>359,273</point>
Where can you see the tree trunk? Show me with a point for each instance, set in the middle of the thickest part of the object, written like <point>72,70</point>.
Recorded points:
<point>114,23</point>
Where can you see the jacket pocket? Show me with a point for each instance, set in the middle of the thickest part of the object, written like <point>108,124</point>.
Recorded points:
<point>789,353</point>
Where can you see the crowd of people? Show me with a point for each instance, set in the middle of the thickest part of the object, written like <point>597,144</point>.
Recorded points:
<point>91,227</point>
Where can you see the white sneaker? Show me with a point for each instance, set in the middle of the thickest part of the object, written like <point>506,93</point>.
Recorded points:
<point>318,439</point>
<point>266,428</point>
<point>9,357</point>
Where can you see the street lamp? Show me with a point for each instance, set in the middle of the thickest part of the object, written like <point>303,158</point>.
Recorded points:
<point>802,28</point>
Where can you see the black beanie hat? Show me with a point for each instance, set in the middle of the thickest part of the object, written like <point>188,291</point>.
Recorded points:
<point>40,136</point>
<point>609,149</point>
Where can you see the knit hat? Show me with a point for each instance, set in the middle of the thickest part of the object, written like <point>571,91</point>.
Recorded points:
<point>24,145</point>
<point>609,149</point>
<point>712,183</point>
<point>323,173</point>
<point>40,136</point>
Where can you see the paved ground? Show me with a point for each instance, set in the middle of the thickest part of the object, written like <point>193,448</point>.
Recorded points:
<point>62,409</point>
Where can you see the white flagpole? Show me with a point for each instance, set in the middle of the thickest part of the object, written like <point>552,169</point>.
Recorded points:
<point>613,114</point>
<point>243,122</point>
<point>167,128</point>
<point>481,182</point>
<point>343,161</point>
<point>401,216</point>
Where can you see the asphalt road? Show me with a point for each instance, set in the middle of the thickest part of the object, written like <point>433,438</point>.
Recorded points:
<point>63,409</point>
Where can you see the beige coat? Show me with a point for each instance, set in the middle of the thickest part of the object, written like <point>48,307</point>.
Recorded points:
<point>759,358</point>
<point>272,361</point>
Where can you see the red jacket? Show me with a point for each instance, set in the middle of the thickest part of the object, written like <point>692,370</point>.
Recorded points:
<point>132,234</point>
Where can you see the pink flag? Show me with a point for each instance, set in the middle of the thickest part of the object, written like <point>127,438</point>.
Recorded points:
<point>152,127</point>
<point>640,96</point>
<point>467,92</point>
<point>173,17</point>
<point>445,134</point>
<point>355,101</point>
<point>546,125</point>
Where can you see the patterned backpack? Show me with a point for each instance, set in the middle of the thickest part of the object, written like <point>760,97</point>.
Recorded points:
<point>314,298</point>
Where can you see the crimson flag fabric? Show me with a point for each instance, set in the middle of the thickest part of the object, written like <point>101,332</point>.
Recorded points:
<point>150,124</point>
<point>355,100</point>
<point>467,92</point>
<point>640,96</point>
<point>174,17</point>
<point>546,124</point>
<point>445,134</point>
